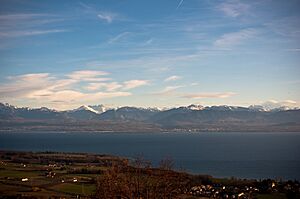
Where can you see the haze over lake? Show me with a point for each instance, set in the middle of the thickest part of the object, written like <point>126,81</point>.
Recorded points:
<point>242,155</point>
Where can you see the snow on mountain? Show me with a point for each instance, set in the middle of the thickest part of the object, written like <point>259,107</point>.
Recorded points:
<point>98,109</point>
<point>45,109</point>
<point>155,109</point>
<point>283,108</point>
<point>7,105</point>
<point>151,109</point>
<point>269,109</point>
<point>257,108</point>
<point>85,108</point>
<point>222,108</point>
<point>195,107</point>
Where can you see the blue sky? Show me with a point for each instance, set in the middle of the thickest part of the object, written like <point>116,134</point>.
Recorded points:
<point>164,53</point>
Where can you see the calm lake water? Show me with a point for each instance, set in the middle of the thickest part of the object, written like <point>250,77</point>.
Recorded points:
<point>243,155</point>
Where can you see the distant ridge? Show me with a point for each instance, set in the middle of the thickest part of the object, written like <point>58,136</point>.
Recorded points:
<point>184,118</point>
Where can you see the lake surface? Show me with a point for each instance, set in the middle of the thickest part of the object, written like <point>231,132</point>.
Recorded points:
<point>243,155</point>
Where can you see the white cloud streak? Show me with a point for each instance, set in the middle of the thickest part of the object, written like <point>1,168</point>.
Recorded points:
<point>168,91</point>
<point>119,37</point>
<point>29,32</point>
<point>179,4</point>
<point>149,41</point>
<point>134,84</point>
<point>235,38</point>
<point>292,50</point>
<point>111,86</point>
<point>107,17</point>
<point>194,84</point>
<point>20,25</point>
<point>89,75</point>
<point>233,8</point>
<point>208,95</point>
<point>172,78</point>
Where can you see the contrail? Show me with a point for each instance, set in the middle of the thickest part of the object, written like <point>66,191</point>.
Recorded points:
<point>179,4</point>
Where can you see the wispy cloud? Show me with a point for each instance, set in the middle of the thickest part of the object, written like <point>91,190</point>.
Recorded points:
<point>155,63</point>
<point>292,50</point>
<point>194,84</point>
<point>134,84</point>
<point>149,41</point>
<point>107,16</point>
<point>110,86</point>
<point>119,37</point>
<point>89,75</point>
<point>286,27</point>
<point>179,4</point>
<point>29,32</point>
<point>172,78</point>
<point>20,16</point>
<point>18,25</point>
<point>71,88</point>
<point>23,84</point>
<point>169,90</point>
<point>235,38</point>
<point>233,8</point>
<point>208,95</point>
<point>74,96</point>
<point>113,86</point>
<point>84,5</point>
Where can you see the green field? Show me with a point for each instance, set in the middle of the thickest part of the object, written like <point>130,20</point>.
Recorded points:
<point>75,188</point>
<point>39,185</point>
<point>18,173</point>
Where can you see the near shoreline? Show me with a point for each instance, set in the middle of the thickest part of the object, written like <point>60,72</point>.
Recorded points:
<point>60,174</point>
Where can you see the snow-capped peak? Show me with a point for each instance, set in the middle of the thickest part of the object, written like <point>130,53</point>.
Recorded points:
<point>268,108</point>
<point>257,108</point>
<point>221,108</point>
<point>45,109</point>
<point>8,105</point>
<point>153,109</point>
<point>98,109</point>
<point>196,107</point>
<point>86,108</point>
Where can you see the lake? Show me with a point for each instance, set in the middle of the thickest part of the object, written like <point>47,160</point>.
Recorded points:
<point>242,155</point>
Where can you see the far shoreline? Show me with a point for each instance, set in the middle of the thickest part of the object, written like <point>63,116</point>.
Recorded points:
<point>143,132</point>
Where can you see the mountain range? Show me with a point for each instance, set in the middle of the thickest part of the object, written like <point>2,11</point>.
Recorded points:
<point>133,119</point>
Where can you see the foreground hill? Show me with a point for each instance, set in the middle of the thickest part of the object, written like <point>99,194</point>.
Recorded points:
<point>133,119</point>
<point>81,175</point>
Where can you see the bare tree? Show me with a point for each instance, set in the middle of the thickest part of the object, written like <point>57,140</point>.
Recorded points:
<point>139,180</point>
<point>167,163</point>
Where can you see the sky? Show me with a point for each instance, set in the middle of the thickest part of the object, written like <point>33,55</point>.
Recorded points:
<point>160,53</point>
